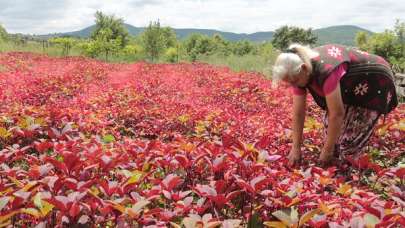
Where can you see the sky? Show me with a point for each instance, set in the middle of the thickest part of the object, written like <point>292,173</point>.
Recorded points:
<point>239,16</point>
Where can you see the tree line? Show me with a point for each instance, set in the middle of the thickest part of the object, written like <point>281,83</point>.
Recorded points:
<point>157,43</point>
<point>389,44</point>
<point>110,38</point>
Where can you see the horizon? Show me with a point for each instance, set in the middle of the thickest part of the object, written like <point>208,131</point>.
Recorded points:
<point>239,16</point>
<point>51,33</point>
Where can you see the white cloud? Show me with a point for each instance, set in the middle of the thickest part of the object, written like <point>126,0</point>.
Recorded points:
<point>242,16</point>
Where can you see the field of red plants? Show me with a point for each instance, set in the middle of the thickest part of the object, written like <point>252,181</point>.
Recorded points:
<point>91,144</point>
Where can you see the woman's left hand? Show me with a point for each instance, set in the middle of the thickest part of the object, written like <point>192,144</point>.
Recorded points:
<point>326,157</point>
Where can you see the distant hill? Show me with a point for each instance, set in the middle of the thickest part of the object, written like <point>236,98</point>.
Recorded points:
<point>181,33</point>
<point>342,34</point>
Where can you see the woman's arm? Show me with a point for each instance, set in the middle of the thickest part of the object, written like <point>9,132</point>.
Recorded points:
<point>299,109</point>
<point>335,120</point>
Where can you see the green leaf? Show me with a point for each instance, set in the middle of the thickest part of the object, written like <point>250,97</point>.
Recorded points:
<point>139,205</point>
<point>174,225</point>
<point>135,177</point>
<point>4,133</point>
<point>311,124</point>
<point>31,211</point>
<point>46,208</point>
<point>42,205</point>
<point>288,219</point>
<point>231,223</point>
<point>38,200</point>
<point>183,118</point>
<point>294,215</point>
<point>108,138</point>
<point>190,222</point>
<point>308,216</point>
<point>371,220</point>
<point>3,201</point>
<point>275,224</point>
<point>255,222</point>
<point>136,209</point>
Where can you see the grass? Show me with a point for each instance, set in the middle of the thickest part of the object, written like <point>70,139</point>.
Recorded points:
<point>36,47</point>
<point>248,63</point>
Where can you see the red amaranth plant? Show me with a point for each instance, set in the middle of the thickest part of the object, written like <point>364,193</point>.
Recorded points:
<point>86,142</point>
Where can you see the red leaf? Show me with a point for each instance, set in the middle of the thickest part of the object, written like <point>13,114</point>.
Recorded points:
<point>57,164</point>
<point>74,209</point>
<point>220,186</point>
<point>370,209</point>
<point>227,140</point>
<point>259,182</point>
<point>363,162</point>
<point>171,181</point>
<point>400,173</point>
<point>219,164</point>
<point>206,190</point>
<point>263,142</point>
<point>70,159</point>
<point>183,160</point>
<point>70,183</point>
<point>109,187</point>
<point>232,195</point>
<point>219,200</point>
<point>245,185</point>
<point>43,146</point>
<point>60,202</point>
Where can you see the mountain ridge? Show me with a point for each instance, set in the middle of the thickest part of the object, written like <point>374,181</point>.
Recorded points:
<point>341,34</point>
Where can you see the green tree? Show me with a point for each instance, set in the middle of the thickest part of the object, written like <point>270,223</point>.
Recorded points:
<point>389,44</point>
<point>153,40</point>
<point>171,55</point>
<point>169,37</point>
<point>220,45</point>
<point>361,40</point>
<point>106,45</point>
<point>198,44</point>
<point>398,61</point>
<point>243,47</point>
<point>18,39</point>
<point>132,49</point>
<point>89,48</point>
<point>108,37</point>
<point>3,33</point>
<point>266,49</point>
<point>383,44</point>
<point>287,35</point>
<point>65,42</point>
<point>171,45</point>
<point>94,48</point>
<point>110,28</point>
<point>399,30</point>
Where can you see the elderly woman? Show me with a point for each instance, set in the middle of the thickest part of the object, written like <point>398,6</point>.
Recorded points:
<point>353,87</point>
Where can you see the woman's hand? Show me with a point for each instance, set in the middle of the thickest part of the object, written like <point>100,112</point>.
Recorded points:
<point>299,107</point>
<point>336,113</point>
<point>294,157</point>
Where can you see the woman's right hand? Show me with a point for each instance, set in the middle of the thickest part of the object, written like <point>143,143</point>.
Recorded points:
<point>294,157</point>
<point>298,119</point>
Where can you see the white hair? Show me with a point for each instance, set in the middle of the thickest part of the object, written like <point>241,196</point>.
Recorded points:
<point>288,65</point>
